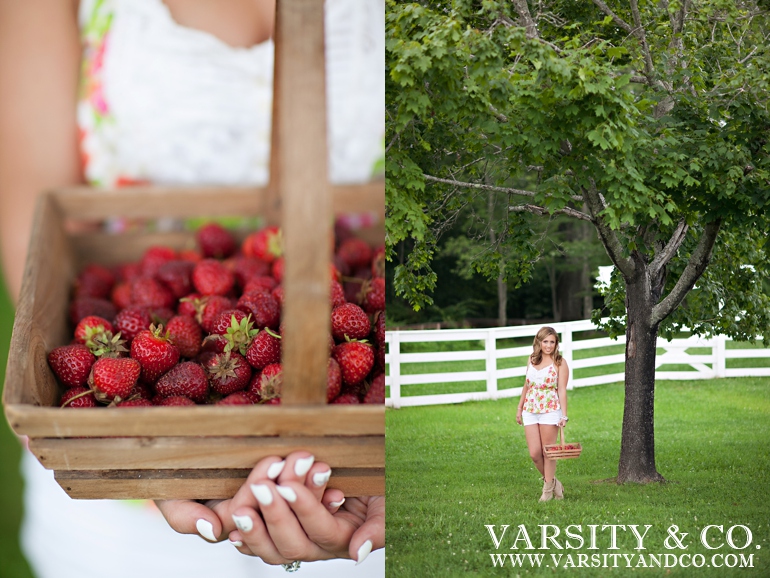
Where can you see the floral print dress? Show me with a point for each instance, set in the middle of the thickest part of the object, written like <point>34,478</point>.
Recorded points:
<point>542,395</point>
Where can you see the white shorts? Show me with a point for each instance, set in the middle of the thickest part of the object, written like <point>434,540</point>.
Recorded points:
<point>547,418</point>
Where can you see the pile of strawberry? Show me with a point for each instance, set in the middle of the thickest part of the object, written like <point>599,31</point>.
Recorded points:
<point>203,326</point>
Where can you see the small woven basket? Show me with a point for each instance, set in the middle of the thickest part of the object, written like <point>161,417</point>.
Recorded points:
<point>562,450</point>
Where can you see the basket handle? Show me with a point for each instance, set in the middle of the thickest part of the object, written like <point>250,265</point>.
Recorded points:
<point>561,435</point>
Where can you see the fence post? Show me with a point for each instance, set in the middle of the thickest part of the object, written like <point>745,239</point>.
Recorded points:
<point>490,346</point>
<point>394,365</point>
<point>566,347</point>
<point>718,344</point>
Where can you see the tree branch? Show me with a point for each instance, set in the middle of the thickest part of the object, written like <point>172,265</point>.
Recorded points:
<point>542,211</point>
<point>649,69</point>
<point>615,18</point>
<point>608,237</point>
<point>697,264</point>
<point>668,252</point>
<point>523,11</point>
<point>576,198</point>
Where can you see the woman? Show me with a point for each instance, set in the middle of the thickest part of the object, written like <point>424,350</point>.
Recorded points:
<point>543,406</point>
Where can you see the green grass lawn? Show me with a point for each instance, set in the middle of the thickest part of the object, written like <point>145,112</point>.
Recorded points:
<point>453,469</point>
<point>12,563</point>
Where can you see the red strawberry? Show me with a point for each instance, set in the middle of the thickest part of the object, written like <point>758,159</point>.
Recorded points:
<point>156,354</point>
<point>188,379</point>
<point>91,326</point>
<point>356,253</point>
<point>142,390</point>
<point>260,283</point>
<point>268,389</point>
<point>212,277</point>
<point>350,321</point>
<point>277,294</point>
<point>247,267</point>
<point>337,294</point>
<point>379,339</point>
<point>85,306</point>
<point>71,364</point>
<point>212,309</point>
<point>78,397</point>
<point>131,321</point>
<point>175,400</point>
<point>265,349</point>
<point>263,307</point>
<point>114,378</point>
<point>333,380</point>
<point>347,399</point>
<point>237,329</point>
<point>376,393</point>
<point>161,315</point>
<point>215,241</point>
<point>138,402</point>
<point>191,255</point>
<point>373,295</point>
<point>356,360</point>
<point>149,292</point>
<point>192,305</point>
<point>265,244</point>
<point>186,334</point>
<point>277,269</point>
<point>127,272</point>
<point>121,295</point>
<point>237,398</point>
<point>228,372</point>
<point>378,263</point>
<point>154,257</point>
<point>177,277</point>
<point>94,281</point>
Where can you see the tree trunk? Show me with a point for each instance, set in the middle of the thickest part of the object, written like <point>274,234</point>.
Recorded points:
<point>637,449</point>
<point>502,302</point>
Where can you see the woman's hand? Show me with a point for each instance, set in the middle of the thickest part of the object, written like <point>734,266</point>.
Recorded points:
<point>563,421</point>
<point>518,417</point>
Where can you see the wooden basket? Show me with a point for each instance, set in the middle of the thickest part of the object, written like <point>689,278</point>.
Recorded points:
<point>205,452</point>
<point>557,451</point>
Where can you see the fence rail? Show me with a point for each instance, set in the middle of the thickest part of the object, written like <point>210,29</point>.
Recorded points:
<point>493,352</point>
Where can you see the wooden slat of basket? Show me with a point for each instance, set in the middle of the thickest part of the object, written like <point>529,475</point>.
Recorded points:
<point>195,484</point>
<point>148,453</point>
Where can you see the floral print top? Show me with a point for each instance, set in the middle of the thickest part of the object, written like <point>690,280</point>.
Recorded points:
<point>542,394</point>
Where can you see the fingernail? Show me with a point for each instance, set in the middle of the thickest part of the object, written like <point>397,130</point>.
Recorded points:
<point>303,465</point>
<point>206,530</point>
<point>321,478</point>
<point>337,504</point>
<point>262,493</point>
<point>237,543</point>
<point>243,523</point>
<point>363,551</point>
<point>287,493</point>
<point>275,469</point>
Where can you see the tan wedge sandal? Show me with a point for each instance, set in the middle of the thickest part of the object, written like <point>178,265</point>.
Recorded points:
<point>548,488</point>
<point>558,489</point>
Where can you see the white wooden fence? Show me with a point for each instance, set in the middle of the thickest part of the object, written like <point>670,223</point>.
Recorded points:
<point>706,366</point>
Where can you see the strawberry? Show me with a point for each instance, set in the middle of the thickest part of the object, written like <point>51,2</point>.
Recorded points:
<point>212,277</point>
<point>138,402</point>
<point>142,390</point>
<point>228,372</point>
<point>121,295</point>
<point>378,263</point>
<point>347,399</point>
<point>277,269</point>
<point>149,292</point>
<point>114,378</point>
<point>260,283</point>
<point>78,397</point>
<point>265,244</point>
<point>263,307</point>
<point>85,306</point>
<point>356,253</point>
<point>176,276</point>
<point>156,354</point>
<point>337,294</point>
<point>188,379</point>
<point>91,326</point>
<point>333,380</point>
<point>237,398</point>
<point>72,364</point>
<point>127,272</point>
<point>131,321</point>
<point>191,255</point>
<point>186,334</point>
<point>161,315</point>
<point>350,321</point>
<point>174,400</point>
<point>154,257</point>
<point>372,295</point>
<point>356,359</point>
<point>215,241</point>
<point>237,329</point>
<point>277,294</point>
<point>268,389</point>
<point>379,339</point>
<point>94,281</point>
<point>265,349</point>
<point>247,267</point>
<point>212,309</point>
<point>376,393</point>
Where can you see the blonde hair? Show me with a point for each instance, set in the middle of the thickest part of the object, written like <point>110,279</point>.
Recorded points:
<point>536,357</point>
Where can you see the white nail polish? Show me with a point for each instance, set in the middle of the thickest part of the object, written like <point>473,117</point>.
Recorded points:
<point>303,465</point>
<point>287,493</point>
<point>206,530</point>
<point>243,523</point>
<point>363,551</point>
<point>237,543</point>
<point>275,469</point>
<point>337,504</point>
<point>321,478</point>
<point>262,493</point>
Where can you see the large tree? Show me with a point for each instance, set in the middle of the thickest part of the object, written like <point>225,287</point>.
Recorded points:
<point>647,120</point>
